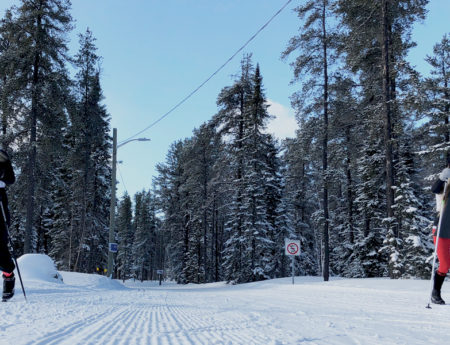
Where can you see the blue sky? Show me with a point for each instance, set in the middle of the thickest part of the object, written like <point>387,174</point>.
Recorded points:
<point>156,52</point>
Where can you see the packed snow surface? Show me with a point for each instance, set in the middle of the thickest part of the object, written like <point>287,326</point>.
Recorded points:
<point>91,309</point>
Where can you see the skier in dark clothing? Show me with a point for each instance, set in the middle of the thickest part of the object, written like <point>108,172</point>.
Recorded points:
<point>6,263</point>
<point>442,190</point>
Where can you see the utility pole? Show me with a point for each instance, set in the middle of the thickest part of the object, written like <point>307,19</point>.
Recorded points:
<point>112,209</point>
<point>112,246</point>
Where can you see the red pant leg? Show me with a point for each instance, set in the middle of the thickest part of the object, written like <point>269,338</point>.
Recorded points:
<point>443,253</point>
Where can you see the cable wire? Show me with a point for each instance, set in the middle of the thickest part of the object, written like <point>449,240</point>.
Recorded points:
<point>211,76</point>
<point>121,177</point>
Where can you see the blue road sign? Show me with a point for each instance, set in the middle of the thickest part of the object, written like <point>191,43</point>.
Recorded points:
<point>113,247</point>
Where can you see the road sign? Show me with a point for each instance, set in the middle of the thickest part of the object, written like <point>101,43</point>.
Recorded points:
<point>113,247</point>
<point>159,271</point>
<point>292,247</point>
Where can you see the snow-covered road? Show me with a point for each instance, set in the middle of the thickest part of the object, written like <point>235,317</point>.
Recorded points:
<point>88,309</point>
<point>142,314</point>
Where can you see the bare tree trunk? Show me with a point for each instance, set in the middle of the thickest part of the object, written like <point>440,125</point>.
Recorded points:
<point>387,112</point>
<point>351,236</point>
<point>31,181</point>
<point>86,174</point>
<point>326,250</point>
<point>205,220</point>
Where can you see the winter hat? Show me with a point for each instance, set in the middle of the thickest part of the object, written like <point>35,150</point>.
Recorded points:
<point>3,156</point>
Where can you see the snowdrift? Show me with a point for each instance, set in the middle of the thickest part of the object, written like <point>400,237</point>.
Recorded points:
<point>38,267</point>
<point>91,281</point>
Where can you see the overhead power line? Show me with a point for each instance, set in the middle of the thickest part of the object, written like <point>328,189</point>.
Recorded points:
<point>210,77</point>
<point>121,177</point>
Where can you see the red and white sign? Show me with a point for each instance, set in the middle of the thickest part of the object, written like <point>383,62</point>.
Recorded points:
<point>292,247</point>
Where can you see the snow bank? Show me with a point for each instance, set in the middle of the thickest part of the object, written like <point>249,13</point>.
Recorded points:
<point>38,267</point>
<point>91,281</point>
<point>41,268</point>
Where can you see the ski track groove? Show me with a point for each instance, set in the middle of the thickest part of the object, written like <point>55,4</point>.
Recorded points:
<point>171,318</point>
<point>55,336</point>
<point>153,318</point>
<point>116,330</point>
<point>158,320</point>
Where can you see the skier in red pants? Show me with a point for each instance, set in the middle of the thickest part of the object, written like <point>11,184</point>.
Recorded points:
<point>6,263</point>
<point>442,191</point>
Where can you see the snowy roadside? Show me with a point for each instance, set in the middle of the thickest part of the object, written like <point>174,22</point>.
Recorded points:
<point>90,309</point>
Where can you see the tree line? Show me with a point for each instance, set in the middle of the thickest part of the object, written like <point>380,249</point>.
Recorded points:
<point>352,185</point>
<point>56,129</point>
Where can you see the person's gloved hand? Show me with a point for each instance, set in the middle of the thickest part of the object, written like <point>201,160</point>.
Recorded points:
<point>2,184</point>
<point>444,175</point>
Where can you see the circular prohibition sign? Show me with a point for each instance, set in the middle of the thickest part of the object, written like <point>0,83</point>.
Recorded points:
<point>292,248</point>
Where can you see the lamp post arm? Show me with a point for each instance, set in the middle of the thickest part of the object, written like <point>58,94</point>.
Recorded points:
<point>128,141</point>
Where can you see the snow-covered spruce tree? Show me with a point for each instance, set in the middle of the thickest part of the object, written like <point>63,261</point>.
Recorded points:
<point>175,223</point>
<point>370,209</point>
<point>97,239</point>
<point>233,102</point>
<point>192,201</point>
<point>145,229</point>
<point>277,213</point>
<point>383,43</point>
<point>11,94</point>
<point>220,194</point>
<point>51,154</point>
<point>316,45</point>
<point>434,134</point>
<point>88,162</point>
<point>300,195</point>
<point>242,117</point>
<point>60,233</point>
<point>415,227</point>
<point>258,178</point>
<point>41,54</point>
<point>409,247</point>
<point>393,250</point>
<point>201,153</point>
<point>125,234</point>
<point>14,103</point>
<point>432,138</point>
<point>344,137</point>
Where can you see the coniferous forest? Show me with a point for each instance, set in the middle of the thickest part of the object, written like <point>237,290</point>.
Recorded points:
<point>353,185</point>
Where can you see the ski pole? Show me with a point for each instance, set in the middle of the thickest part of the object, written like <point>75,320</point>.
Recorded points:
<point>12,249</point>
<point>435,249</point>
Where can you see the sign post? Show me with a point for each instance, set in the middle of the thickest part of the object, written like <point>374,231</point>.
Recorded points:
<point>160,274</point>
<point>292,249</point>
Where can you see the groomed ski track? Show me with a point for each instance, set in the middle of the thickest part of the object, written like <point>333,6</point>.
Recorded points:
<point>366,311</point>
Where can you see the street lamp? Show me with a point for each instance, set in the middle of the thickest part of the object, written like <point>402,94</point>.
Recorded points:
<point>112,210</point>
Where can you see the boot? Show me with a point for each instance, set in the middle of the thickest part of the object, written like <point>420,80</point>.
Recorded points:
<point>8,286</point>
<point>436,293</point>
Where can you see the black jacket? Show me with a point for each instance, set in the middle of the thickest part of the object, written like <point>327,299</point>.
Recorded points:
<point>438,188</point>
<point>7,176</point>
